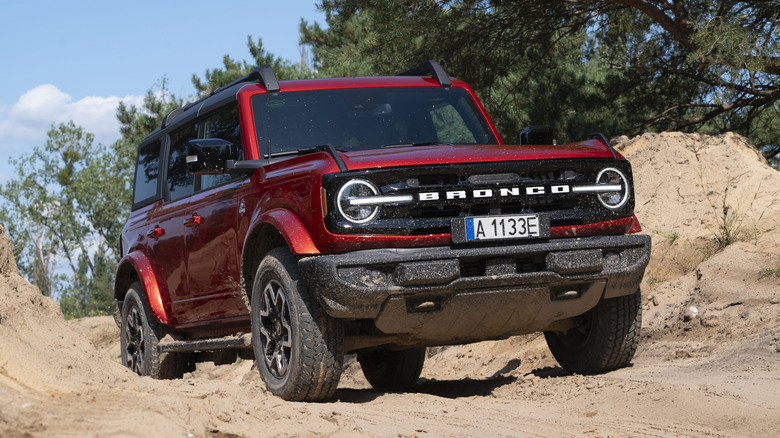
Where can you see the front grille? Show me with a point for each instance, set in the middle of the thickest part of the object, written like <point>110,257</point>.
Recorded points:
<point>435,211</point>
<point>444,193</point>
<point>435,180</point>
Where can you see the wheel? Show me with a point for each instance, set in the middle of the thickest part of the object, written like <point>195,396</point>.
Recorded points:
<point>139,338</point>
<point>392,368</point>
<point>605,340</point>
<point>299,349</point>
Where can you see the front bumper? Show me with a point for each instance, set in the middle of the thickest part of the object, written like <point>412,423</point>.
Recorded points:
<point>445,293</point>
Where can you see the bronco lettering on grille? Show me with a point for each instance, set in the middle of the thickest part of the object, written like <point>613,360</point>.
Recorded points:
<point>503,192</point>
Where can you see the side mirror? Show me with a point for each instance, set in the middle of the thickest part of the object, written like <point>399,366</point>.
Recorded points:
<point>207,156</point>
<point>538,134</point>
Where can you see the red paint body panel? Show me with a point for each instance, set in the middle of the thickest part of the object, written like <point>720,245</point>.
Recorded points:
<point>617,226</point>
<point>167,253</point>
<point>211,257</point>
<point>431,155</point>
<point>159,300</point>
<point>293,231</point>
<point>635,227</point>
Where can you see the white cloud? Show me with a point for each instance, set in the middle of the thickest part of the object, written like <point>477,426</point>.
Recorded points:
<point>33,114</point>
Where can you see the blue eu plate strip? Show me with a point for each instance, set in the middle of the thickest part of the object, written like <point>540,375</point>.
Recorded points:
<point>470,228</point>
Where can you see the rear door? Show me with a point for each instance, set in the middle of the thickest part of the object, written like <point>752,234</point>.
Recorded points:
<point>166,244</point>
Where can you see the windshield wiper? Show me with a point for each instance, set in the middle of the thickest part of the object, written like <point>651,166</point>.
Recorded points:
<point>329,148</point>
<point>418,143</point>
<point>303,151</point>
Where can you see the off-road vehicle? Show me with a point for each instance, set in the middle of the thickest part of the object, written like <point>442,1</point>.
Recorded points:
<point>299,221</point>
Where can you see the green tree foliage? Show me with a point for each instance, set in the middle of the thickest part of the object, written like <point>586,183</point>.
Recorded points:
<point>55,211</point>
<point>66,208</point>
<point>620,66</point>
<point>68,204</point>
<point>232,69</point>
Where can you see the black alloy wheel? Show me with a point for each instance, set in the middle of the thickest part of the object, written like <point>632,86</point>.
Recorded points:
<point>299,348</point>
<point>275,329</point>
<point>135,351</point>
<point>139,338</point>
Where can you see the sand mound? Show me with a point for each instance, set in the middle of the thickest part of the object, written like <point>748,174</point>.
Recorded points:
<point>695,190</point>
<point>7,262</point>
<point>38,350</point>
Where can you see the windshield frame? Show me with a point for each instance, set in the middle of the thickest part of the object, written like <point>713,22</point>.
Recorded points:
<point>270,121</point>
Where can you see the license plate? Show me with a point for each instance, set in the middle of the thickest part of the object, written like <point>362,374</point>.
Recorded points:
<point>505,227</point>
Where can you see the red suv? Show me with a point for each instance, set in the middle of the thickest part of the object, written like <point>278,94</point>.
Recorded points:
<point>299,221</point>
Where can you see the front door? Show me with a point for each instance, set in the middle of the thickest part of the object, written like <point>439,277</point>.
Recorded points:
<point>212,252</point>
<point>212,241</point>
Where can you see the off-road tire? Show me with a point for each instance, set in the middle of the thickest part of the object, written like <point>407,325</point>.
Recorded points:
<point>140,336</point>
<point>605,340</point>
<point>299,349</point>
<point>387,369</point>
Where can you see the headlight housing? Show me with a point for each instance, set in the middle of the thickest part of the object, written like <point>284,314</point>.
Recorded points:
<point>348,203</point>
<point>613,177</point>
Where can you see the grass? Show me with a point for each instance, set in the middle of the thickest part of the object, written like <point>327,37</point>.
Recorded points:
<point>730,221</point>
<point>768,272</point>
<point>652,282</point>
<point>670,236</point>
<point>733,223</point>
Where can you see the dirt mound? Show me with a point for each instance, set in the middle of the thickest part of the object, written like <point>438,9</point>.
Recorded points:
<point>39,351</point>
<point>708,364</point>
<point>7,261</point>
<point>697,193</point>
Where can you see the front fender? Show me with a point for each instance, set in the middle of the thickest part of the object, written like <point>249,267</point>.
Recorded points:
<point>158,297</point>
<point>290,227</point>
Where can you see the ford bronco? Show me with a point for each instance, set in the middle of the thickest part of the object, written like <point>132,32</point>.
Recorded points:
<point>294,222</point>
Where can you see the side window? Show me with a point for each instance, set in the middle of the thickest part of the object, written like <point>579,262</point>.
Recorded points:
<point>180,182</point>
<point>147,170</point>
<point>223,124</point>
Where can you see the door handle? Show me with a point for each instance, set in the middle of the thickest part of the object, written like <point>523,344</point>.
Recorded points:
<point>156,232</point>
<point>193,221</point>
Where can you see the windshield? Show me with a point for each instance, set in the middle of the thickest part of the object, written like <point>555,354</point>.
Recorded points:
<point>367,118</point>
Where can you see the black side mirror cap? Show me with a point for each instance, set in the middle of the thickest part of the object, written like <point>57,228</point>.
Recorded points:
<point>207,156</point>
<point>538,134</point>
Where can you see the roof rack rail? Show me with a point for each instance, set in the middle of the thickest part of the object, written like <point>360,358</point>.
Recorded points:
<point>431,67</point>
<point>264,75</point>
<point>171,116</point>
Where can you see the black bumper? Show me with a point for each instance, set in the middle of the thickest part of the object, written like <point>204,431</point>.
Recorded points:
<point>507,289</point>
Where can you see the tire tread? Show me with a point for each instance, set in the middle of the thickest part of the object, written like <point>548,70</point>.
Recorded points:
<point>161,365</point>
<point>321,339</point>
<point>614,342</point>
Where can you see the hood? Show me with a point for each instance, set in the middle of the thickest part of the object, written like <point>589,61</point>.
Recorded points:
<point>452,154</point>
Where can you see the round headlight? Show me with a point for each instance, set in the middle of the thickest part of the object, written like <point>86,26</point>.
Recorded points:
<point>617,198</point>
<point>353,191</point>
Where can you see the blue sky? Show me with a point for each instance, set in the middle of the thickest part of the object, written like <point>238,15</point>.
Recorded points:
<point>77,60</point>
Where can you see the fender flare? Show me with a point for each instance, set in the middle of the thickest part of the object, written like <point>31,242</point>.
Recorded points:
<point>292,230</point>
<point>158,297</point>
